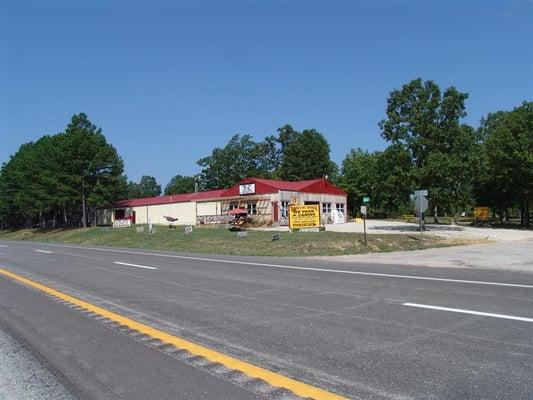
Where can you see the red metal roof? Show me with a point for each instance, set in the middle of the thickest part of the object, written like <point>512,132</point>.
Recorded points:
<point>262,186</point>
<point>173,198</point>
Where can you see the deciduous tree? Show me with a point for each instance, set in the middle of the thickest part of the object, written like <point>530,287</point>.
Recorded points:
<point>427,123</point>
<point>180,184</point>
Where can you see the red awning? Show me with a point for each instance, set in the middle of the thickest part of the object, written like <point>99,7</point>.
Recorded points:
<point>236,211</point>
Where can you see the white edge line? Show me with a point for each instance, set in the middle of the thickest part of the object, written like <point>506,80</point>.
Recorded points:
<point>43,251</point>
<point>470,312</point>
<point>338,271</point>
<point>134,265</point>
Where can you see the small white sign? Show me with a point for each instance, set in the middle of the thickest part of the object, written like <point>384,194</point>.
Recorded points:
<point>247,188</point>
<point>314,230</point>
<point>188,229</point>
<point>242,234</point>
<point>363,210</point>
<point>122,223</point>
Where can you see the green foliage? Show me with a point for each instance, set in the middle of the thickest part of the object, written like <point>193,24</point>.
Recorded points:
<point>46,182</point>
<point>180,184</point>
<point>148,187</point>
<point>426,123</point>
<point>133,190</point>
<point>506,179</point>
<point>241,157</point>
<point>286,156</point>
<point>358,176</point>
<point>394,179</point>
<point>305,155</point>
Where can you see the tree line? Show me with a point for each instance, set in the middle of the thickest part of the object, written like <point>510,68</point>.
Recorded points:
<point>60,180</point>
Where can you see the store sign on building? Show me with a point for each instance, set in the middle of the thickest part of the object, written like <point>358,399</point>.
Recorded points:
<point>247,188</point>
<point>304,216</point>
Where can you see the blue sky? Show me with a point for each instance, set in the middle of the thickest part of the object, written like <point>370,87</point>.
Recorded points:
<point>168,81</point>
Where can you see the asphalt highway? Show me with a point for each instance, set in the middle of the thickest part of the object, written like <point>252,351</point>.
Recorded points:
<point>367,331</point>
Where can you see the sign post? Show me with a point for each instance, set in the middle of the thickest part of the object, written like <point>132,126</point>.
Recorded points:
<point>421,205</point>
<point>363,214</point>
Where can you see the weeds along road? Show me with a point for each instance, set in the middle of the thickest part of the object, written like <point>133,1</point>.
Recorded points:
<point>137,324</point>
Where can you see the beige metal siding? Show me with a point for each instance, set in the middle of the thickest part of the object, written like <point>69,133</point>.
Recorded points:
<point>185,212</point>
<point>208,208</point>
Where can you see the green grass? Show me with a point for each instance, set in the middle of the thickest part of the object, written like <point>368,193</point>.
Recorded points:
<point>222,241</point>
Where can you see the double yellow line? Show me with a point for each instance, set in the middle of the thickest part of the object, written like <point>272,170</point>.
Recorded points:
<point>272,378</point>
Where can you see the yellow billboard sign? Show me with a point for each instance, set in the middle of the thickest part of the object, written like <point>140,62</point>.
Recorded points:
<point>304,216</point>
<point>481,213</point>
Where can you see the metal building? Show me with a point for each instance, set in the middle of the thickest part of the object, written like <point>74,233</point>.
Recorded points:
<point>267,202</point>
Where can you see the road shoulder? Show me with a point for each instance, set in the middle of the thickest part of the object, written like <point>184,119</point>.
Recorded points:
<point>24,376</point>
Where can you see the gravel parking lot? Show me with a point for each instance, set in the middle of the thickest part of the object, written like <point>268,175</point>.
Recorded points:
<point>506,249</point>
<point>451,231</point>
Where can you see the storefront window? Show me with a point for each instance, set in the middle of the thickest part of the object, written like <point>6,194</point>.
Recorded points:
<point>326,208</point>
<point>340,207</point>
<point>251,208</point>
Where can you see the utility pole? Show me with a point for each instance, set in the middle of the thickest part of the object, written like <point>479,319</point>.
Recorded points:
<point>84,219</point>
<point>99,171</point>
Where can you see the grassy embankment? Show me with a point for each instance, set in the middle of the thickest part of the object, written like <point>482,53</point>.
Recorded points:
<point>222,241</point>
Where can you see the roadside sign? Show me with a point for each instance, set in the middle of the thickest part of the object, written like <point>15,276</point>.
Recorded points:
<point>421,205</point>
<point>481,213</point>
<point>294,201</point>
<point>421,201</point>
<point>275,237</point>
<point>122,223</point>
<point>363,210</point>
<point>188,229</point>
<point>307,216</point>
<point>242,234</point>
<point>366,199</point>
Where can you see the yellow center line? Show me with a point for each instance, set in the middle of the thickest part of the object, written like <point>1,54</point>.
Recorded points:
<point>254,371</point>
